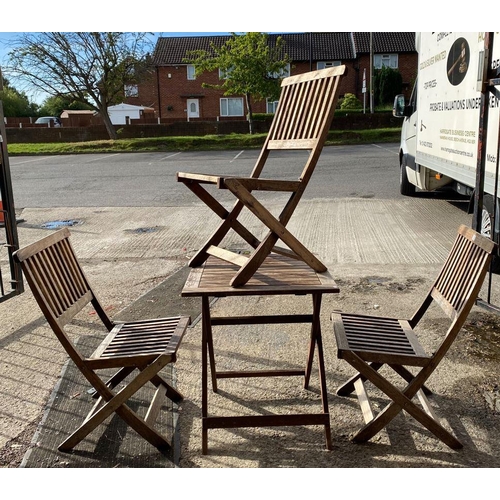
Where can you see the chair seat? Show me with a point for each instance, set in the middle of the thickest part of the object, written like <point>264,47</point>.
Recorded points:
<point>378,339</point>
<point>148,339</point>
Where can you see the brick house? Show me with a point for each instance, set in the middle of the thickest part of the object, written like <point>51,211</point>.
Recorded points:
<point>174,93</point>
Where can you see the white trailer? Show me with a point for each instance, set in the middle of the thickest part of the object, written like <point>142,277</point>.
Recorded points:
<point>450,130</point>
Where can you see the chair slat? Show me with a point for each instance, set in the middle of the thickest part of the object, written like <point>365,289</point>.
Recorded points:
<point>305,108</point>
<point>61,266</point>
<point>281,117</point>
<point>59,283</point>
<point>316,109</point>
<point>45,286</point>
<point>73,267</point>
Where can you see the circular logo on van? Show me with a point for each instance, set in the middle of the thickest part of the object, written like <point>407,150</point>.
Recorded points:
<point>458,61</point>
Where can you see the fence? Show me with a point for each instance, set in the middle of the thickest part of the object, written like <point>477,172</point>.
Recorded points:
<point>70,132</point>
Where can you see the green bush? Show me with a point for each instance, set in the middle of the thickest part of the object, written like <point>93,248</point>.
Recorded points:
<point>263,116</point>
<point>388,82</point>
<point>350,101</point>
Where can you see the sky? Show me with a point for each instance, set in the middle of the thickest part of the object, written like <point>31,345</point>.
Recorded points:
<point>7,37</point>
<point>202,19</point>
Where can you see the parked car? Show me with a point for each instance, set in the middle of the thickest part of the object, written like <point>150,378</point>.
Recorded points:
<point>52,120</point>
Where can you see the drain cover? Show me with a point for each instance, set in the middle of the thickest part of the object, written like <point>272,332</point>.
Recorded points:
<point>57,224</point>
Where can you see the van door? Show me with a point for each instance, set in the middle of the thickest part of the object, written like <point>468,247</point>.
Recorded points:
<point>409,133</point>
<point>409,175</point>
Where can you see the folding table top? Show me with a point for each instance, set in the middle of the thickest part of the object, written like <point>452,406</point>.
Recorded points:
<point>278,275</point>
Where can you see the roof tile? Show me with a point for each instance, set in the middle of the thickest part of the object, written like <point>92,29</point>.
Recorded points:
<point>327,46</point>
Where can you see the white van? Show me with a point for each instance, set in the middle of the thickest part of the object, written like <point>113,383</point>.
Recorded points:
<point>442,140</point>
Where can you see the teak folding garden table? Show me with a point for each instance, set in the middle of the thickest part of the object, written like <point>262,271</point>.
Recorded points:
<point>278,275</point>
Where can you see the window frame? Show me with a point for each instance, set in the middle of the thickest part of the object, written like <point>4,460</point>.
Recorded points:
<point>227,99</point>
<point>131,90</point>
<point>393,58</point>
<point>224,73</point>
<point>285,73</point>
<point>190,72</point>
<point>271,104</point>
<point>328,64</point>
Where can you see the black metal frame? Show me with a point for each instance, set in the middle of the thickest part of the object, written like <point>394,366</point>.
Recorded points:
<point>490,80</point>
<point>9,225</point>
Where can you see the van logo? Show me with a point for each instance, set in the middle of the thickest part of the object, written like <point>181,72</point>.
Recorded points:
<point>458,61</point>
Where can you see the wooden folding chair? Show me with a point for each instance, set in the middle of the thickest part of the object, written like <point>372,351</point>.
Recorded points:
<point>61,289</point>
<point>368,343</point>
<point>304,115</point>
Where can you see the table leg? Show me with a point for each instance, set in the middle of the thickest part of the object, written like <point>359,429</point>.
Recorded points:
<point>205,320</point>
<point>317,341</point>
<point>266,420</point>
<point>315,331</point>
<point>324,391</point>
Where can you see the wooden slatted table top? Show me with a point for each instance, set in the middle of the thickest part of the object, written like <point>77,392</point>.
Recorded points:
<point>278,275</point>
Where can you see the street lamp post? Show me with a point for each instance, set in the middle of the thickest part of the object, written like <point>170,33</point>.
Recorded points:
<point>371,72</point>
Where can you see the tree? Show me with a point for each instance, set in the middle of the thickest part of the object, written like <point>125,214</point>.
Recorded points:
<point>54,106</point>
<point>388,82</point>
<point>16,103</point>
<point>253,67</point>
<point>92,67</point>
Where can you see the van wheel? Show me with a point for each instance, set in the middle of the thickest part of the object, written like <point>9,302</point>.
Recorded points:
<point>406,188</point>
<point>487,228</point>
<point>485,216</point>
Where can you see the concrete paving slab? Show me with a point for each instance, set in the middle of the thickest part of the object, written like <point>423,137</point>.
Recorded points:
<point>383,253</point>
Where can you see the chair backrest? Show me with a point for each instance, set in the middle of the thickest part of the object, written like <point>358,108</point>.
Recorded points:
<point>459,282</point>
<point>304,114</point>
<point>58,283</point>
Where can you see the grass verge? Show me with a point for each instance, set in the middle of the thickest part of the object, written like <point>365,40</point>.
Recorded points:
<point>205,143</point>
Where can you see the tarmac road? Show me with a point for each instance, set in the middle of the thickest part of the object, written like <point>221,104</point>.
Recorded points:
<point>135,227</point>
<point>148,179</point>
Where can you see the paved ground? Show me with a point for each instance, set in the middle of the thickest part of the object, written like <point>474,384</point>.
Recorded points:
<point>383,254</point>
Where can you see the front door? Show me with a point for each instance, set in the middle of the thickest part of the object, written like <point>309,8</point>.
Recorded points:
<point>193,108</point>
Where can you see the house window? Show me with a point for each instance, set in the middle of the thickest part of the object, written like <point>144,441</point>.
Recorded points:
<point>285,72</point>
<point>271,106</point>
<point>389,60</point>
<point>224,73</point>
<point>231,106</point>
<point>131,90</point>
<point>327,64</point>
<point>191,75</point>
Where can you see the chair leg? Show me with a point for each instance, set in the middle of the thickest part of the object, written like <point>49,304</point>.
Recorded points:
<point>230,221</point>
<point>171,393</point>
<point>276,227</point>
<point>116,403</point>
<point>408,376</point>
<point>400,400</point>
<point>254,262</point>
<point>118,377</point>
<point>348,387</point>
